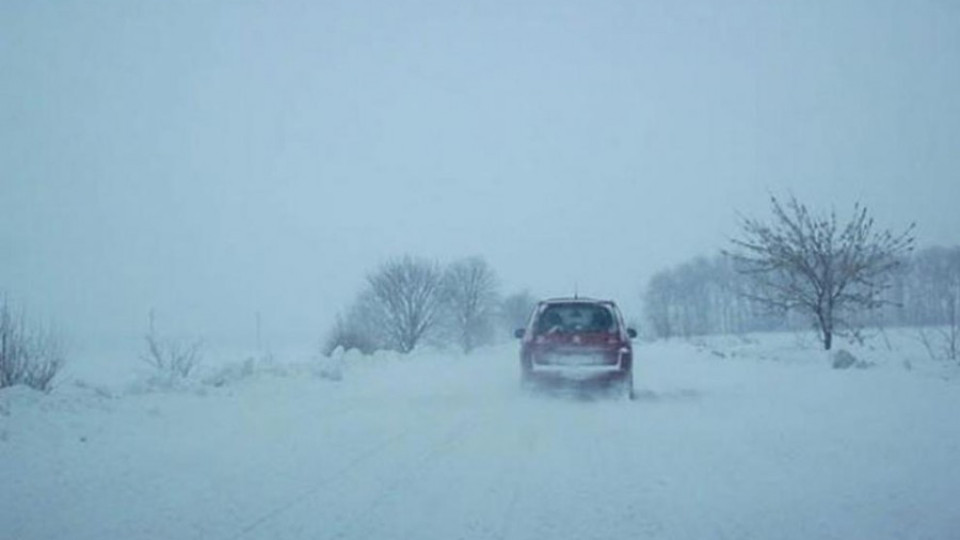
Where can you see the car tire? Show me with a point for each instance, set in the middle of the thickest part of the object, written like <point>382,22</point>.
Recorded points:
<point>626,385</point>
<point>527,378</point>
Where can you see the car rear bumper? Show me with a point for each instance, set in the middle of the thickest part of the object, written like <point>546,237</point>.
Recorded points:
<point>599,361</point>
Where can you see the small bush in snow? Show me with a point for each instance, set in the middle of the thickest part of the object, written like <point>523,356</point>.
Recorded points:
<point>941,343</point>
<point>231,373</point>
<point>172,358</point>
<point>28,356</point>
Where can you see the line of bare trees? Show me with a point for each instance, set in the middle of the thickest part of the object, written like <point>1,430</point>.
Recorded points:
<point>705,296</point>
<point>409,301</point>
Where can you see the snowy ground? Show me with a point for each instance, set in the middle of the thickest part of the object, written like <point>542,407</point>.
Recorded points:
<point>729,438</point>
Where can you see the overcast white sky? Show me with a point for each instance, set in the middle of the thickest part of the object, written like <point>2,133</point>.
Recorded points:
<point>214,159</point>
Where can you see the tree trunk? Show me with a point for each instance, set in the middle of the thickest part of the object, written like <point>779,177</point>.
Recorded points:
<point>825,322</point>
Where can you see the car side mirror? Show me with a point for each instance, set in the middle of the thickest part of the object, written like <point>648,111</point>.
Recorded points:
<point>631,333</point>
<point>518,333</point>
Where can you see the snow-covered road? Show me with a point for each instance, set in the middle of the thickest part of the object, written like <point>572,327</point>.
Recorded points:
<point>439,447</point>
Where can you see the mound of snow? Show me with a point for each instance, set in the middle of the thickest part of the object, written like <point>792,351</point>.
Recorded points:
<point>843,359</point>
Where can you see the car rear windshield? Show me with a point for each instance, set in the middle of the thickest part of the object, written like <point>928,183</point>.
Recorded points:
<point>575,317</point>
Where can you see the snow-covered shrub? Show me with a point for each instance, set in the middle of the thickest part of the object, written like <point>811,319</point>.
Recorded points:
<point>29,356</point>
<point>941,343</point>
<point>351,332</point>
<point>231,373</point>
<point>173,358</point>
<point>331,366</point>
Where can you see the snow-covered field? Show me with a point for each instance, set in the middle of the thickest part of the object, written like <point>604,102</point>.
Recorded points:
<point>729,438</point>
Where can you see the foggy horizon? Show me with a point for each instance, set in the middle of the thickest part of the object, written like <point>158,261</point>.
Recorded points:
<point>215,161</point>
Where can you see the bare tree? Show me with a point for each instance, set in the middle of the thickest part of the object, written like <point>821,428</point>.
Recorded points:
<point>28,355</point>
<point>515,310</point>
<point>817,265</point>
<point>357,330</point>
<point>470,300</point>
<point>405,296</point>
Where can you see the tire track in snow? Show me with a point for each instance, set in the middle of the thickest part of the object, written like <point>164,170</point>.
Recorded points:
<point>527,444</point>
<point>426,460</point>
<point>304,496</point>
<point>470,488</point>
<point>380,454</point>
<point>342,503</point>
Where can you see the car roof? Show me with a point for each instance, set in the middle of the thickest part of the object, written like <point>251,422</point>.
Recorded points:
<point>576,300</point>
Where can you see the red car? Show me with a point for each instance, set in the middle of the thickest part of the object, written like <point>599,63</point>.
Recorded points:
<point>579,335</point>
